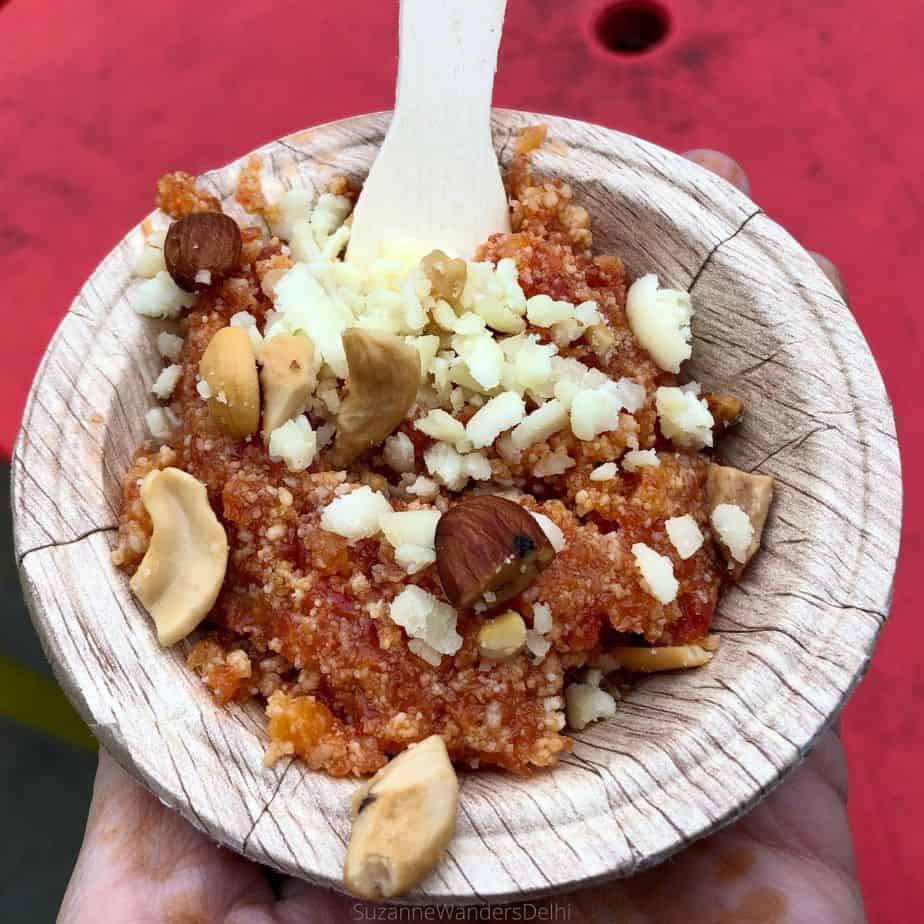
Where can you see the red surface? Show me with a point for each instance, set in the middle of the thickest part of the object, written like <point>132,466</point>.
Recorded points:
<point>813,98</point>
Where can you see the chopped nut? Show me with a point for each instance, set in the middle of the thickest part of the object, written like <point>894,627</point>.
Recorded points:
<point>502,637</point>
<point>382,386</point>
<point>488,544</point>
<point>601,339</point>
<point>403,818</point>
<point>182,571</point>
<point>726,410</point>
<point>202,249</point>
<point>447,276</point>
<point>654,660</point>
<point>288,377</point>
<point>752,493</point>
<point>229,368</point>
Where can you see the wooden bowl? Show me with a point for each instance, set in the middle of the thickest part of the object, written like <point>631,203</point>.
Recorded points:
<point>687,753</point>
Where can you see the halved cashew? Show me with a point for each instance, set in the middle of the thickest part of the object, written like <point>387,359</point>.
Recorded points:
<point>653,660</point>
<point>288,377</point>
<point>181,573</point>
<point>403,818</point>
<point>382,386</point>
<point>752,493</point>
<point>230,369</point>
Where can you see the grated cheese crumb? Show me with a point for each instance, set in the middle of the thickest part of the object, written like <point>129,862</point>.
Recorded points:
<point>660,320</point>
<point>169,345</point>
<point>657,573</point>
<point>734,528</point>
<point>605,472</point>
<point>640,458</point>
<point>685,535</point>
<point>426,618</point>
<point>357,515</point>
<point>684,418</point>
<point>166,382</point>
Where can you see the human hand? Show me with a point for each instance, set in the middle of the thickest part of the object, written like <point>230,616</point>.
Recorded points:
<point>790,859</point>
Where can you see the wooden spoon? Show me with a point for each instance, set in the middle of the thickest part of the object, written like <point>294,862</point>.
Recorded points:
<point>436,181</point>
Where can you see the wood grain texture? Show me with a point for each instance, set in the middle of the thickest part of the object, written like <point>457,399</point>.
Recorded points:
<point>687,753</point>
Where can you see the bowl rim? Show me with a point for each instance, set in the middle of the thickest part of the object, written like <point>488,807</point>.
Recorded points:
<point>747,225</point>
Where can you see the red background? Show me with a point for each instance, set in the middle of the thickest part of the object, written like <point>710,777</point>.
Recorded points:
<point>816,100</point>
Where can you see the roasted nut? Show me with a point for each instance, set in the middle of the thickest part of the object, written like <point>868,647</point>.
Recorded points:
<point>288,377</point>
<point>601,339</point>
<point>403,818</point>
<point>653,660</point>
<point>381,387</point>
<point>182,571</point>
<point>201,249</point>
<point>752,493</point>
<point>489,548</point>
<point>229,368</point>
<point>502,637</point>
<point>726,410</point>
<point>447,276</point>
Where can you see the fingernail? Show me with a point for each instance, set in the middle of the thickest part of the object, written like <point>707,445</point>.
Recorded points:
<point>832,272</point>
<point>722,165</point>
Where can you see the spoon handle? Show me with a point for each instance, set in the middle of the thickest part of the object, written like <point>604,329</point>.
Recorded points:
<point>436,182</point>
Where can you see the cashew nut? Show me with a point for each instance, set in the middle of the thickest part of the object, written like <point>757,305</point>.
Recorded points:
<point>230,369</point>
<point>752,493</point>
<point>382,386</point>
<point>403,818</point>
<point>654,660</point>
<point>288,377</point>
<point>182,571</point>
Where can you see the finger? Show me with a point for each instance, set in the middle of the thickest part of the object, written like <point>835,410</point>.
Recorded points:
<point>137,853</point>
<point>722,165</point>
<point>832,272</point>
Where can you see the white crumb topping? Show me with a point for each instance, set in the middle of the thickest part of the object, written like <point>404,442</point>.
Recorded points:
<point>160,297</point>
<point>169,345</point>
<point>605,472</point>
<point>166,382</point>
<point>684,418</point>
<point>635,459</point>
<point>685,535</point>
<point>657,573</point>
<point>295,443</point>
<point>357,515</point>
<point>734,528</point>
<point>426,618</point>
<point>660,320</point>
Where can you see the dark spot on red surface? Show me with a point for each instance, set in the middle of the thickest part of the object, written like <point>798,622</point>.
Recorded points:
<point>631,27</point>
<point>13,239</point>
<point>814,169</point>
<point>695,54</point>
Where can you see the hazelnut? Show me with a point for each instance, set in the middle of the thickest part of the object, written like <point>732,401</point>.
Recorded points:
<point>403,818</point>
<point>381,387</point>
<point>201,249</point>
<point>230,369</point>
<point>502,637</point>
<point>447,276</point>
<point>489,548</point>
